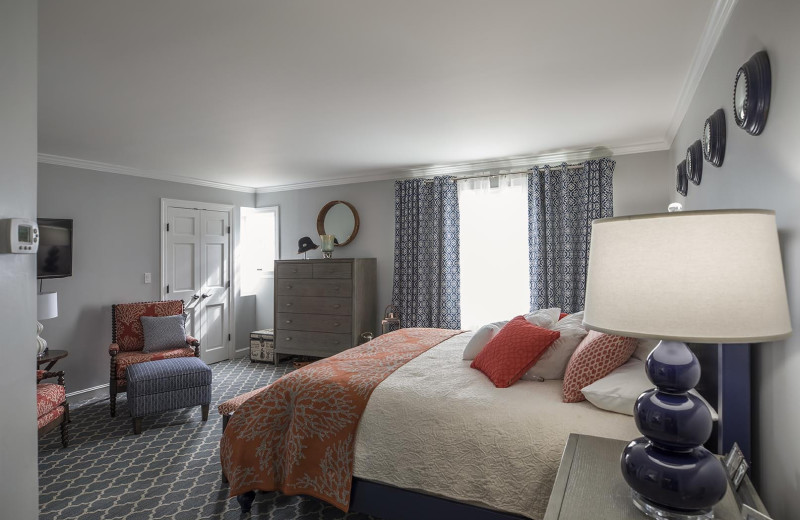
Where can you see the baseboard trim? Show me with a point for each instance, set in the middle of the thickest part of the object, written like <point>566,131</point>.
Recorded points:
<point>87,390</point>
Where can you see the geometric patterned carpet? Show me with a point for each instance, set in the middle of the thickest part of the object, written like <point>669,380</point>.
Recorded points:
<point>170,471</point>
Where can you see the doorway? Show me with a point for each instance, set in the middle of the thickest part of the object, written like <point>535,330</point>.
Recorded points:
<point>196,268</point>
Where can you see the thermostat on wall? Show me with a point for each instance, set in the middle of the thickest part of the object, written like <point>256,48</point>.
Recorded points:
<point>19,235</point>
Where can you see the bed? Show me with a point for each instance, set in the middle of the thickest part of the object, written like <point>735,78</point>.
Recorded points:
<point>437,436</point>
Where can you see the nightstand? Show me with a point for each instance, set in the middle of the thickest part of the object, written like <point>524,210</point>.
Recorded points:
<point>589,485</point>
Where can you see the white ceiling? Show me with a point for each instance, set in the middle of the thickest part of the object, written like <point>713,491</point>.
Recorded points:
<point>266,93</point>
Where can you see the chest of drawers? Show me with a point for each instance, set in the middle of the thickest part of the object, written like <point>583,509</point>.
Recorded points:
<point>323,306</point>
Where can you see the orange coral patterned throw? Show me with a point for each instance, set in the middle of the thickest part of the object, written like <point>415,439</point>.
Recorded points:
<point>298,435</point>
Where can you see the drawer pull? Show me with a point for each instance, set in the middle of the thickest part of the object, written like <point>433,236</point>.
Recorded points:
<point>336,324</point>
<point>288,286</point>
<point>336,342</point>
<point>288,304</point>
<point>294,270</point>
<point>288,321</point>
<point>336,305</point>
<point>289,339</point>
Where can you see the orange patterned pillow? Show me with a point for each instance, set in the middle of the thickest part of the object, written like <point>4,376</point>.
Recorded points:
<point>513,350</point>
<point>596,357</point>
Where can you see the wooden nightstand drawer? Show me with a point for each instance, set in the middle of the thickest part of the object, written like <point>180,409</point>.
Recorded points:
<point>294,270</point>
<point>314,322</point>
<point>314,305</point>
<point>333,270</point>
<point>295,287</point>
<point>319,344</point>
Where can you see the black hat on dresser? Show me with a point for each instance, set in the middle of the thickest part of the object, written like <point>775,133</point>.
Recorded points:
<point>305,244</point>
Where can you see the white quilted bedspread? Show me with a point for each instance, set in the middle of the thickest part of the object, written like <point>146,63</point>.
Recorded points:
<point>440,427</point>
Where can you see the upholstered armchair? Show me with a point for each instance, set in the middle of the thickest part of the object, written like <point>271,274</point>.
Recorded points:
<point>51,405</point>
<point>128,341</point>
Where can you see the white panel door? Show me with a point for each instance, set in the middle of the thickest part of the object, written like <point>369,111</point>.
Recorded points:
<point>215,281</point>
<point>183,280</point>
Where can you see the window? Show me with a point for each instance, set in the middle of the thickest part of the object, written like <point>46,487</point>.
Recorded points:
<point>259,246</point>
<point>495,278</point>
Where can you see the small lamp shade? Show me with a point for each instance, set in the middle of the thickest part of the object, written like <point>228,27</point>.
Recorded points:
<point>47,306</point>
<point>694,276</point>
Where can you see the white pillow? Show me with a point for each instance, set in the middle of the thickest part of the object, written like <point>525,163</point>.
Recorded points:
<point>644,347</point>
<point>481,337</point>
<point>618,391</point>
<point>544,318</point>
<point>553,362</point>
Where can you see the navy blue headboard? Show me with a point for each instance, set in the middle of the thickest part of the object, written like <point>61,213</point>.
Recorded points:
<point>725,384</point>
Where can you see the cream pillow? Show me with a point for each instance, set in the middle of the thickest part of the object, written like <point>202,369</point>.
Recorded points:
<point>544,318</point>
<point>618,391</point>
<point>644,347</point>
<point>553,362</point>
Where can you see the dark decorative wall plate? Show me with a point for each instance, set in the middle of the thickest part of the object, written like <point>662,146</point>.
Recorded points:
<point>682,184</point>
<point>694,162</point>
<point>751,94</point>
<point>714,138</point>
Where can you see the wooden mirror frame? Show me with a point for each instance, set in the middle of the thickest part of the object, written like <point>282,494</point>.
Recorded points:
<point>324,211</point>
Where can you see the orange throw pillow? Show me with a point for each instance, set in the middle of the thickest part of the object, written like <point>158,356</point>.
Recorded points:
<point>513,350</point>
<point>596,357</point>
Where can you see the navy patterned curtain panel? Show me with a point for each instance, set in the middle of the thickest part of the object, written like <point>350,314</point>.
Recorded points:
<point>426,286</point>
<point>562,203</point>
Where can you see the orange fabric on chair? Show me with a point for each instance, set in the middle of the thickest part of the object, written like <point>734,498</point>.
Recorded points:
<point>513,351</point>
<point>128,325</point>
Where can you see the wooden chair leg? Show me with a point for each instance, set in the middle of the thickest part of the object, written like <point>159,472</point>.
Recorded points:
<point>65,426</point>
<point>204,409</point>
<point>137,425</point>
<point>113,400</point>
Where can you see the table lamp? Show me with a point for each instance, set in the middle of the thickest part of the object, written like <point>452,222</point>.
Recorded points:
<point>693,276</point>
<point>46,308</point>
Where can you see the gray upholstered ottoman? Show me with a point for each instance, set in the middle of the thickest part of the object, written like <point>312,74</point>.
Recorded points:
<point>167,384</point>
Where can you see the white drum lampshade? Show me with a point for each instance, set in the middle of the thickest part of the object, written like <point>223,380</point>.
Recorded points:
<point>46,308</point>
<point>696,276</point>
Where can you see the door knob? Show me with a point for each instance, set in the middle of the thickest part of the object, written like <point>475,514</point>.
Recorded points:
<point>195,297</point>
<point>204,295</point>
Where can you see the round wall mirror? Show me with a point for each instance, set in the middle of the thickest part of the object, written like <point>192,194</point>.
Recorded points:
<point>751,94</point>
<point>714,138</point>
<point>340,219</point>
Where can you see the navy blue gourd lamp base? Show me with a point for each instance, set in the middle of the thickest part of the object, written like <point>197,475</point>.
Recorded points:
<point>700,276</point>
<point>671,474</point>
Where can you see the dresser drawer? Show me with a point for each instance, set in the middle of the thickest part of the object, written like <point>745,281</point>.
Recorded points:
<point>333,270</point>
<point>315,305</point>
<point>319,344</point>
<point>294,271</point>
<point>315,322</point>
<point>295,287</point>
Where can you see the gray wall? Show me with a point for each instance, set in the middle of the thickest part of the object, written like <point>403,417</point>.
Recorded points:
<point>116,240</point>
<point>639,187</point>
<point>761,172</point>
<point>19,489</point>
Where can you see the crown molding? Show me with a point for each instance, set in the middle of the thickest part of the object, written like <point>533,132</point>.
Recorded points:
<point>60,160</point>
<point>715,24</point>
<point>523,161</point>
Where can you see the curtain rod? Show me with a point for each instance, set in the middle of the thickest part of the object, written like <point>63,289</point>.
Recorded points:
<point>574,166</point>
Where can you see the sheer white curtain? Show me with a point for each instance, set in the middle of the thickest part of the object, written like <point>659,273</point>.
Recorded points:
<point>494,249</point>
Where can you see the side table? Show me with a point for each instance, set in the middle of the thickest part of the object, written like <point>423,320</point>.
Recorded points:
<point>589,485</point>
<point>51,357</point>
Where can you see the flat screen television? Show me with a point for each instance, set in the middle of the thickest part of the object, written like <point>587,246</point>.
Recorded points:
<point>54,259</point>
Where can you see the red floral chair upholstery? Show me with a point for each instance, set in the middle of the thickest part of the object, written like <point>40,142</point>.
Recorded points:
<point>128,341</point>
<point>51,405</point>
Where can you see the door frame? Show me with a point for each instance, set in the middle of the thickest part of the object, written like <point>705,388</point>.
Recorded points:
<point>228,208</point>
